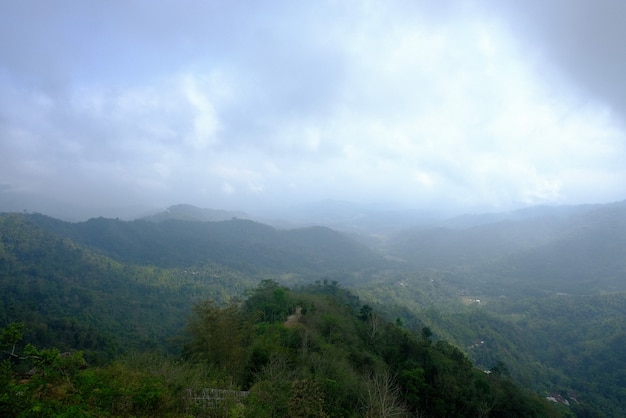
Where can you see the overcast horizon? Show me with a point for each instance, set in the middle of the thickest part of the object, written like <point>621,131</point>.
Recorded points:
<point>460,106</point>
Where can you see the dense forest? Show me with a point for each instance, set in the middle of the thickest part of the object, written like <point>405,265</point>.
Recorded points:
<point>166,316</point>
<point>317,352</point>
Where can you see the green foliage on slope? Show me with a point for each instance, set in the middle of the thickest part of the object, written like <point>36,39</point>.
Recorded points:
<point>565,345</point>
<point>71,297</point>
<point>579,252</point>
<point>107,287</point>
<point>192,213</point>
<point>578,341</point>
<point>317,352</point>
<point>239,244</point>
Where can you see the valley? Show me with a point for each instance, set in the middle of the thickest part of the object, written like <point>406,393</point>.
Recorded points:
<point>536,297</point>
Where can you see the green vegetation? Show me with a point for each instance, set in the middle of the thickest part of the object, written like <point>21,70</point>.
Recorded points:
<point>581,253</point>
<point>71,297</point>
<point>565,345</point>
<point>514,298</point>
<point>239,244</point>
<point>313,353</point>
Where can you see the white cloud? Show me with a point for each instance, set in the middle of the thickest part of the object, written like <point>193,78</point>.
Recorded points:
<point>205,121</point>
<point>376,101</point>
<point>228,188</point>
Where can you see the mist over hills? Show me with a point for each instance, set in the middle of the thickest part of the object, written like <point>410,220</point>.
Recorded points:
<point>239,243</point>
<point>107,286</point>
<point>184,212</point>
<point>538,250</point>
<point>578,249</point>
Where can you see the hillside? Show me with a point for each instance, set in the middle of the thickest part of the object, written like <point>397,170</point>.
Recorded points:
<point>316,352</point>
<point>106,286</point>
<point>240,244</point>
<point>184,212</point>
<point>562,344</point>
<point>73,297</point>
<point>110,287</point>
<point>571,251</point>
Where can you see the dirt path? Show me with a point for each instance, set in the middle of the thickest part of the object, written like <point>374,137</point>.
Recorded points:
<point>292,320</point>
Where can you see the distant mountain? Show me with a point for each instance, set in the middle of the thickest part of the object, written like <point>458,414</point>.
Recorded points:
<point>574,249</point>
<point>106,285</point>
<point>238,243</point>
<point>588,256</point>
<point>73,297</point>
<point>192,213</point>
<point>365,220</point>
<point>528,213</point>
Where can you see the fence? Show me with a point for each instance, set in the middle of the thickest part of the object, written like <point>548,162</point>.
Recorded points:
<point>214,398</point>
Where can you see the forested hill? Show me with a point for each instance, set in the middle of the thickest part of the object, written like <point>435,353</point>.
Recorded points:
<point>242,244</point>
<point>106,285</point>
<point>192,213</point>
<point>315,352</point>
<point>72,297</point>
<point>569,251</point>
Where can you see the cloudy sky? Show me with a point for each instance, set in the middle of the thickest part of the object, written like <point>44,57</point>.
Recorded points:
<point>471,105</point>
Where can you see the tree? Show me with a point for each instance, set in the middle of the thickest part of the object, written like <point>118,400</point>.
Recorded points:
<point>383,397</point>
<point>500,369</point>
<point>269,396</point>
<point>307,400</point>
<point>427,333</point>
<point>270,301</point>
<point>44,389</point>
<point>219,336</point>
<point>9,337</point>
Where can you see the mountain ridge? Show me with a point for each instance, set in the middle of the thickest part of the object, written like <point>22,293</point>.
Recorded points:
<point>187,212</point>
<point>235,242</point>
<point>559,251</point>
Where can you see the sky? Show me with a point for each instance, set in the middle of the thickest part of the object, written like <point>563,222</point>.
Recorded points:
<point>468,105</point>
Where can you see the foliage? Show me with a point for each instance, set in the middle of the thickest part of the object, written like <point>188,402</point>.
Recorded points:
<point>61,384</point>
<point>564,346</point>
<point>73,297</point>
<point>106,288</point>
<point>296,367</point>
<point>34,382</point>
<point>577,253</point>
<point>239,244</point>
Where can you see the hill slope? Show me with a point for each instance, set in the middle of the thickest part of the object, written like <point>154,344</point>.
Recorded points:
<point>237,243</point>
<point>184,212</point>
<point>578,251</point>
<point>106,285</point>
<point>73,297</point>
